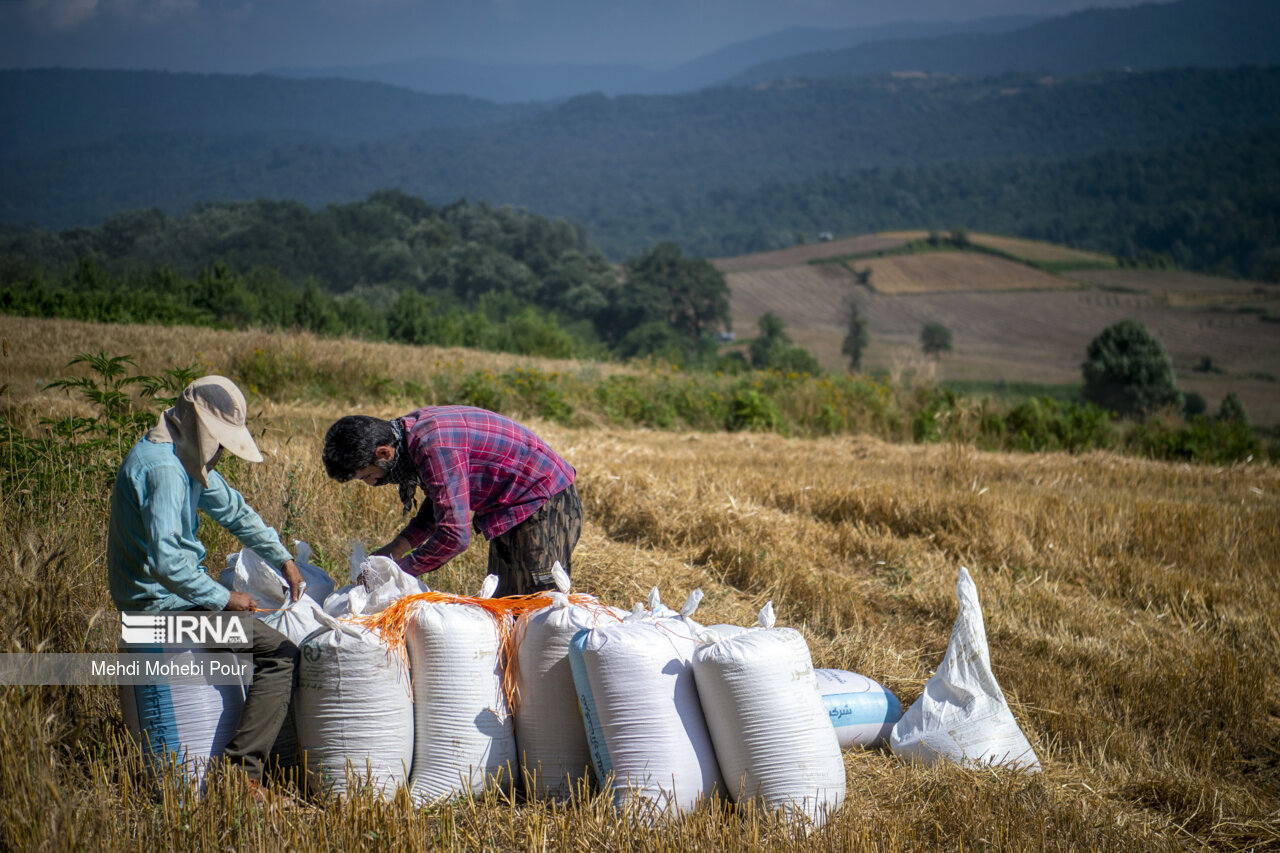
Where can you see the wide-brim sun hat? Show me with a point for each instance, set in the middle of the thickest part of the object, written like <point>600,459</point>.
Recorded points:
<point>222,411</point>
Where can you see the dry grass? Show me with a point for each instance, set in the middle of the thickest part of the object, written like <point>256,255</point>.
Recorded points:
<point>1131,609</point>
<point>37,350</point>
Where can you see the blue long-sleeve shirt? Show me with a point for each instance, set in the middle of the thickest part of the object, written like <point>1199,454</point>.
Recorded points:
<point>154,556</point>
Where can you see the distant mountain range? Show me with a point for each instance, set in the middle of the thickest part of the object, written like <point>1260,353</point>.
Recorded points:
<point>57,108</point>
<point>592,155</point>
<point>512,83</point>
<point>83,145</point>
<point>1202,33</point>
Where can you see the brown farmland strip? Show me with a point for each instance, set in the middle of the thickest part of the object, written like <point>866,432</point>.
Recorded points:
<point>813,251</point>
<point>934,272</point>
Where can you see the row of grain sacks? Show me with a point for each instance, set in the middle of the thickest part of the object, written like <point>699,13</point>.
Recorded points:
<point>451,694</point>
<point>665,712</point>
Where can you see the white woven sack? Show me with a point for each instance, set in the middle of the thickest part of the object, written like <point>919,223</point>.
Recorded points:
<point>962,714</point>
<point>248,572</point>
<point>376,582</point>
<point>862,710</point>
<point>550,737</point>
<point>338,603</point>
<point>353,708</point>
<point>649,742</point>
<point>296,619</point>
<point>772,734</point>
<point>192,721</point>
<point>464,736</point>
<point>720,632</point>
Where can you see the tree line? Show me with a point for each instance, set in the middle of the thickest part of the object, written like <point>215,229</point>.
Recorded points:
<point>391,267</point>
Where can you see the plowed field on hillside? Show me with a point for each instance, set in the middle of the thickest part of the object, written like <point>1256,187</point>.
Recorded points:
<point>816,251</point>
<point>1029,250</point>
<point>938,272</point>
<point>1005,327</point>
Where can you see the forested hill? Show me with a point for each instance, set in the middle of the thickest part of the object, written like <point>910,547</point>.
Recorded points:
<point>392,266</point>
<point>593,154</point>
<point>1208,204</point>
<point>1205,33</point>
<point>57,108</point>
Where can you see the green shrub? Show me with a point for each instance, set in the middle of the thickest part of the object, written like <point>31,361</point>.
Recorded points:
<point>481,390</point>
<point>1194,404</point>
<point>628,399</point>
<point>1042,423</point>
<point>1232,410</point>
<point>934,408</point>
<point>752,410</point>
<point>1200,440</point>
<point>538,392</point>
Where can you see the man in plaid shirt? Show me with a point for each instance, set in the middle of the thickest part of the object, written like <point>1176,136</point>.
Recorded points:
<point>466,460</point>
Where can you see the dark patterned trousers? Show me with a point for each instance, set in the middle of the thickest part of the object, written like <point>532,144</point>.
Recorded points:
<point>523,556</point>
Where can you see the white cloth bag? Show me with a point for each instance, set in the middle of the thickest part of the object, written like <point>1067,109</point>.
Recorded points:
<point>353,708</point>
<point>248,572</point>
<point>962,714</point>
<point>375,583</point>
<point>772,733</point>
<point>550,737</point>
<point>464,736</point>
<point>648,737</point>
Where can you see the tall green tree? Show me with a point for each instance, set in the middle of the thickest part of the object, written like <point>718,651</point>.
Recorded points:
<point>856,337</point>
<point>935,339</point>
<point>1232,410</point>
<point>772,349</point>
<point>662,284</point>
<point>1128,371</point>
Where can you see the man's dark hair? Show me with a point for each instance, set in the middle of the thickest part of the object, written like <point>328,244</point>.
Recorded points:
<point>350,443</point>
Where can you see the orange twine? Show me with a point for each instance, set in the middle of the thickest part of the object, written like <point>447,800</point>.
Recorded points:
<point>392,624</point>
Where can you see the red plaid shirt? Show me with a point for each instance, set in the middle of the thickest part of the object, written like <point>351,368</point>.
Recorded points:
<point>472,460</point>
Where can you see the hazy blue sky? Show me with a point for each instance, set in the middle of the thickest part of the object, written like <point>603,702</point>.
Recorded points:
<point>251,35</point>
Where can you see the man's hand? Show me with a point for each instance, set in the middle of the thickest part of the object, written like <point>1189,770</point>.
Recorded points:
<point>291,574</point>
<point>240,601</point>
<point>395,549</point>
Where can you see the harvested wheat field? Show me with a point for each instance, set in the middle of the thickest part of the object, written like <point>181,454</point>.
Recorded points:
<point>1183,288</point>
<point>810,298</point>
<point>1131,609</point>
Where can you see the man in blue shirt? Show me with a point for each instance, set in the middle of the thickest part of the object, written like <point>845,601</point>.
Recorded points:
<point>154,557</point>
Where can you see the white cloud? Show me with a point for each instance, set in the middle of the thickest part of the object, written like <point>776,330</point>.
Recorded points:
<point>61,14</point>
<point>156,10</point>
<point>69,14</point>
